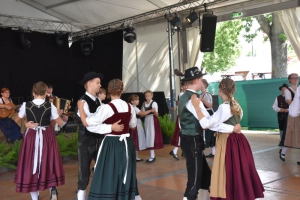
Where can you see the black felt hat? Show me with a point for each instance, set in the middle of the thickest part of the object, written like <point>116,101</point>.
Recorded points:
<point>90,76</point>
<point>192,73</point>
<point>283,85</point>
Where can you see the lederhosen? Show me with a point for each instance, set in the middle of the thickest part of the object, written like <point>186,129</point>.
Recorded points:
<point>281,143</point>
<point>10,128</point>
<point>192,144</point>
<point>88,145</point>
<point>281,116</point>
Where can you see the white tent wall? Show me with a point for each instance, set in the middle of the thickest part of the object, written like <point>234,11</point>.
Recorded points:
<point>146,62</point>
<point>17,8</point>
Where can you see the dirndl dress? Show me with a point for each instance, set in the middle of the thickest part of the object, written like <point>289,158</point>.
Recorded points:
<point>175,141</point>
<point>234,176</point>
<point>115,168</point>
<point>292,135</point>
<point>40,165</point>
<point>138,136</point>
<point>153,132</point>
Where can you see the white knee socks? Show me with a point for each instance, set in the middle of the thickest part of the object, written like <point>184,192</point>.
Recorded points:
<point>152,154</point>
<point>175,150</point>
<point>34,195</point>
<point>213,150</point>
<point>283,151</point>
<point>81,195</point>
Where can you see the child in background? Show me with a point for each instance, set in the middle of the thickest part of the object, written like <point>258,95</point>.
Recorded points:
<point>138,134</point>
<point>152,127</point>
<point>40,164</point>
<point>102,94</point>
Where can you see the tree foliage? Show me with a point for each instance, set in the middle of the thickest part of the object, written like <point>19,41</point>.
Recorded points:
<point>227,48</point>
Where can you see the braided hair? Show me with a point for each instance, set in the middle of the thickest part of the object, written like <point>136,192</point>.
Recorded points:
<point>227,86</point>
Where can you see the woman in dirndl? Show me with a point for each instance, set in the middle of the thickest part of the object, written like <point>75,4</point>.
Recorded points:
<point>39,165</point>
<point>138,134</point>
<point>234,176</point>
<point>115,168</point>
<point>292,137</point>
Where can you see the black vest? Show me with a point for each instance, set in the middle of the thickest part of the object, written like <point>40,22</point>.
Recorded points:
<point>281,102</point>
<point>93,105</point>
<point>148,108</point>
<point>38,113</point>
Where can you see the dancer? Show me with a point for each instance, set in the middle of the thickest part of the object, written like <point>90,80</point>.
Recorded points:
<point>206,98</point>
<point>40,164</point>
<point>234,175</point>
<point>175,141</point>
<point>101,94</point>
<point>289,94</point>
<point>292,137</point>
<point>115,168</point>
<point>192,142</point>
<point>282,108</point>
<point>8,126</point>
<point>88,139</point>
<point>138,134</point>
<point>152,127</point>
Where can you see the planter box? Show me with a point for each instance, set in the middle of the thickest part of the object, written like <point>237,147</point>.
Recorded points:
<point>167,139</point>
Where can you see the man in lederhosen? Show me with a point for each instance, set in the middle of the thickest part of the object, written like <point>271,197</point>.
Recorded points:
<point>192,143</point>
<point>89,142</point>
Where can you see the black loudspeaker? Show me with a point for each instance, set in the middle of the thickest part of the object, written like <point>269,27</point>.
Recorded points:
<point>207,41</point>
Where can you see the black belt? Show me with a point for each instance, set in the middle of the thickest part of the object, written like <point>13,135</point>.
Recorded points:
<point>95,135</point>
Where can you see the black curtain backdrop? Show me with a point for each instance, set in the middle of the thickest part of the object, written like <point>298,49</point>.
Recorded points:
<point>62,67</point>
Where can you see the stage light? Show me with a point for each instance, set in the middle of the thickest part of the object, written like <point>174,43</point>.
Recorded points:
<point>58,41</point>
<point>175,21</point>
<point>192,17</point>
<point>129,35</point>
<point>87,46</point>
<point>24,41</point>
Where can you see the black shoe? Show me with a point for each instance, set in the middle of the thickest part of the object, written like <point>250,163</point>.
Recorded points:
<point>174,155</point>
<point>54,194</point>
<point>139,160</point>
<point>298,163</point>
<point>281,158</point>
<point>210,156</point>
<point>150,161</point>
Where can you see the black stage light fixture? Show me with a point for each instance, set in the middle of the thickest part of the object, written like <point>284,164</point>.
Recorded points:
<point>129,35</point>
<point>58,42</point>
<point>24,41</point>
<point>87,46</point>
<point>192,17</point>
<point>175,21</point>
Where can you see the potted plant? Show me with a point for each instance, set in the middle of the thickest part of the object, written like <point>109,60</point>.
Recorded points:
<point>167,127</point>
<point>6,157</point>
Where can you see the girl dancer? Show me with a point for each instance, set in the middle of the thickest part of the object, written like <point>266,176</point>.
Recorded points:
<point>115,169</point>
<point>234,175</point>
<point>40,164</point>
<point>207,101</point>
<point>176,135</point>
<point>152,128</point>
<point>138,134</point>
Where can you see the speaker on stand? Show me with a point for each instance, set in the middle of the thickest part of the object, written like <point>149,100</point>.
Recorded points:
<point>209,24</point>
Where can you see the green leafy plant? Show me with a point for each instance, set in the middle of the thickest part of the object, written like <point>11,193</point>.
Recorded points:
<point>6,156</point>
<point>167,125</point>
<point>64,146</point>
<point>73,144</point>
<point>16,147</point>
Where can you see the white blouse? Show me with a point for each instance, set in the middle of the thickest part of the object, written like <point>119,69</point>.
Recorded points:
<point>104,112</point>
<point>54,113</point>
<point>294,109</point>
<point>137,110</point>
<point>214,125</point>
<point>288,94</point>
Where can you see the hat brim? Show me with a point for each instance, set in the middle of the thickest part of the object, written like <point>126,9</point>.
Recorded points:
<point>193,77</point>
<point>97,75</point>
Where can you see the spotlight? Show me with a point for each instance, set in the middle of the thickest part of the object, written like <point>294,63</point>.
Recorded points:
<point>191,18</point>
<point>24,41</point>
<point>87,46</point>
<point>59,42</point>
<point>129,35</point>
<point>175,21</point>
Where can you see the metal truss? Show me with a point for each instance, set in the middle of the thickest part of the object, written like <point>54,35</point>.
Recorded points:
<point>160,13</point>
<point>41,25</point>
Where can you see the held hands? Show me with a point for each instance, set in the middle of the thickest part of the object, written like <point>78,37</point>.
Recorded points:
<point>31,125</point>
<point>237,128</point>
<point>116,127</point>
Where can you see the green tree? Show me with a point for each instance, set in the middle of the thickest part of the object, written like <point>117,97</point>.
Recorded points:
<point>270,24</point>
<point>227,48</point>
